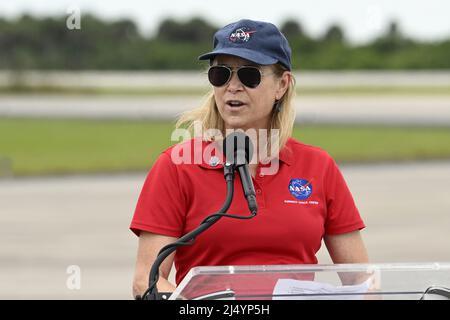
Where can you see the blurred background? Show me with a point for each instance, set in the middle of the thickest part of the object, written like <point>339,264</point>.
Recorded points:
<point>90,91</point>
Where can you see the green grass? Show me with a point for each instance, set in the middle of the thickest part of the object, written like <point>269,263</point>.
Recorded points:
<point>37,146</point>
<point>378,143</point>
<point>70,146</point>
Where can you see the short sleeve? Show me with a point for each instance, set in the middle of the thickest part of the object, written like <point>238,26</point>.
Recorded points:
<point>342,214</point>
<point>160,208</point>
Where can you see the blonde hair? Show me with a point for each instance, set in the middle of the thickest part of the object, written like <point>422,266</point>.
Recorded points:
<point>283,115</point>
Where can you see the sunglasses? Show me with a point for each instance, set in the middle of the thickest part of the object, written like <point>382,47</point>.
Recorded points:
<point>249,76</point>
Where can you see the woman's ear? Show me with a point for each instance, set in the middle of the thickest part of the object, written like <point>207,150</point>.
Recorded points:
<point>283,84</point>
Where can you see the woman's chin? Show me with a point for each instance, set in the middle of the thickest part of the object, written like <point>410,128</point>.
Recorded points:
<point>237,124</point>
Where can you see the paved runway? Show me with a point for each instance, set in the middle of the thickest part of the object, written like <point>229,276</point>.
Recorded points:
<point>198,79</point>
<point>49,224</point>
<point>385,109</point>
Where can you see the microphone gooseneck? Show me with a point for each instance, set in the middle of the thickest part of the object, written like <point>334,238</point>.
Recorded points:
<point>238,150</point>
<point>152,292</point>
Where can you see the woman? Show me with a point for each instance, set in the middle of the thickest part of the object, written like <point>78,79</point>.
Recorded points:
<point>302,201</point>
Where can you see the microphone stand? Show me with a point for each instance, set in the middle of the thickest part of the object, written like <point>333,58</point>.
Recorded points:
<point>152,292</point>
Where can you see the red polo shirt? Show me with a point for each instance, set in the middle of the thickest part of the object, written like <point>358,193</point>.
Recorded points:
<point>306,199</point>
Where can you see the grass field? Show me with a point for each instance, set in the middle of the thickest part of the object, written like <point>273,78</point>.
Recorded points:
<point>37,146</point>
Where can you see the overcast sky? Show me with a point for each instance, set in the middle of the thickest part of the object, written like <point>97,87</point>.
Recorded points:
<point>361,19</point>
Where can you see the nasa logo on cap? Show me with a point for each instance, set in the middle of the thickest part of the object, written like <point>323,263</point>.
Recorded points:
<point>301,189</point>
<point>240,35</point>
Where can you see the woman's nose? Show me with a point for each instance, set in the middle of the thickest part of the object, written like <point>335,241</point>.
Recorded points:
<point>235,84</point>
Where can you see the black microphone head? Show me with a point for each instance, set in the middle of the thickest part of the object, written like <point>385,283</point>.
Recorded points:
<point>237,148</point>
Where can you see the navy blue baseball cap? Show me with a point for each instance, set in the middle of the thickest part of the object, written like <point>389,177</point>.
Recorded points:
<point>256,41</point>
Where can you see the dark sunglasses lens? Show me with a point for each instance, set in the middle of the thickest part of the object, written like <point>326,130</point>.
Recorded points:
<point>218,76</point>
<point>250,77</point>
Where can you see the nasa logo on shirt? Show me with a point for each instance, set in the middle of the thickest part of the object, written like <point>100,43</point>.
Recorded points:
<point>301,189</point>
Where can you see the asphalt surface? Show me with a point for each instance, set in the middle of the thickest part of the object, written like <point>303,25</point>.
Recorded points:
<point>50,224</point>
<point>387,109</point>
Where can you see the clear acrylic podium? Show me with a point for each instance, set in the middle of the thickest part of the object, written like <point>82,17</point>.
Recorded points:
<point>405,281</point>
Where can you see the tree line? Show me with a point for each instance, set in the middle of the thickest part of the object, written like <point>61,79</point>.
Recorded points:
<point>29,42</point>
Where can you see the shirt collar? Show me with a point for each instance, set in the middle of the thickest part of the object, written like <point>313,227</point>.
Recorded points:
<point>286,154</point>
<point>213,157</point>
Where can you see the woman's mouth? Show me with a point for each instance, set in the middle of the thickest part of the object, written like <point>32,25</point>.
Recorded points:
<point>235,104</point>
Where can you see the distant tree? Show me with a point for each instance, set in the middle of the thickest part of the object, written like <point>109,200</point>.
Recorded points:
<point>292,29</point>
<point>391,40</point>
<point>198,30</point>
<point>168,29</point>
<point>29,42</point>
<point>124,30</point>
<point>393,31</point>
<point>334,34</point>
<point>195,30</point>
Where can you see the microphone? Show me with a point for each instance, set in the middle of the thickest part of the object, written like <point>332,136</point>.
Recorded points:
<point>238,151</point>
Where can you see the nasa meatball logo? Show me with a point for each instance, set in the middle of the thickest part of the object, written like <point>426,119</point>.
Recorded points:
<point>301,189</point>
<point>241,35</point>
